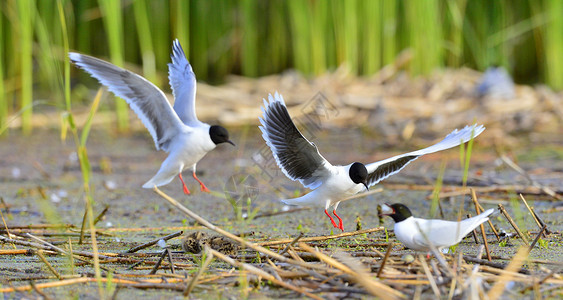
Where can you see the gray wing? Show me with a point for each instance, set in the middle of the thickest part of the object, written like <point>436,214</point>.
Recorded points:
<point>144,98</point>
<point>183,83</point>
<point>298,158</point>
<point>380,170</point>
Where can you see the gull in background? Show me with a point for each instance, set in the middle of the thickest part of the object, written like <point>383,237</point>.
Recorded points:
<point>174,130</point>
<point>300,160</point>
<point>421,234</point>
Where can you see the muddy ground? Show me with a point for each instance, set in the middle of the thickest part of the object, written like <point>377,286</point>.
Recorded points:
<point>41,183</point>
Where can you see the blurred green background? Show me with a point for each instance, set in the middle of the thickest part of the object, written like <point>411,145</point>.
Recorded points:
<point>255,38</point>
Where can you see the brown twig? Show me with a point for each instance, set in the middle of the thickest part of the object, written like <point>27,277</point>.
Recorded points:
<point>498,287</point>
<point>389,248</point>
<point>474,233</point>
<point>159,262</point>
<point>322,238</point>
<point>233,237</point>
<point>192,283</point>
<point>258,272</point>
<point>477,210</point>
<point>148,244</point>
<point>61,251</point>
<point>292,243</point>
<point>537,237</point>
<point>518,169</point>
<point>505,213</point>
<point>429,276</point>
<point>170,261</point>
<point>542,223</point>
<point>39,291</point>
<point>490,224</point>
<point>39,253</point>
<point>101,215</point>
<point>375,288</point>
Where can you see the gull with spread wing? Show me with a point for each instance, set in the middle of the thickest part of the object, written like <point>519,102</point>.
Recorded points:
<point>174,130</point>
<point>300,160</point>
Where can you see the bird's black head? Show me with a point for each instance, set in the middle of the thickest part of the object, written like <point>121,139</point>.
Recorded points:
<point>219,135</point>
<point>399,212</point>
<point>359,174</point>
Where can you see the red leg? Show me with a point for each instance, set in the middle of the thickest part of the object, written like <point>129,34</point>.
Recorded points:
<point>202,186</point>
<point>331,219</point>
<point>340,225</point>
<point>186,191</point>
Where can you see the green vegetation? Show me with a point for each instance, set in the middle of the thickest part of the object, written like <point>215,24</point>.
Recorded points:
<point>255,38</point>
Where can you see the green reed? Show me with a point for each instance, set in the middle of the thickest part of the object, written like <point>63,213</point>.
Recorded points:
<point>26,17</point>
<point>4,107</point>
<point>111,15</point>
<point>553,44</point>
<point>256,38</point>
<point>145,39</point>
<point>80,143</point>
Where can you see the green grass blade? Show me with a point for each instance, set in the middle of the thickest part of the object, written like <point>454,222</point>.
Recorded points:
<point>66,61</point>
<point>436,192</point>
<point>88,123</point>
<point>181,12</point>
<point>111,11</point>
<point>4,111</point>
<point>145,39</point>
<point>554,44</point>
<point>26,12</point>
<point>249,48</point>
<point>300,39</point>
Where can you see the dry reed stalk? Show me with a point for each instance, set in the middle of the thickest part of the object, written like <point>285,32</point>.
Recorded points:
<point>260,273</point>
<point>429,276</point>
<point>498,288</point>
<point>154,269</point>
<point>193,282</point>
<point>153,242</point>
<point>16,252</point>
<point>474,233</point>
<point>322,238</point>
<point>61,251</point>
<point>505,213</point>
<point>39,253</point>
<point>389,248</point>
<point>518,169</point>
<point>233,237</point>
<point>136,229</point>
<point>291,243</point>
<point>375,288</point>
<point>537,238</point>
<point>39,291</point>
<point>60,283</point>
<point>478,211</point>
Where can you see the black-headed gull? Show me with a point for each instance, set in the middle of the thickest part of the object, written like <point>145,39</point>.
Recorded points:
<point>419,234</point>
<point>174,130</point>
<point>300,160</point>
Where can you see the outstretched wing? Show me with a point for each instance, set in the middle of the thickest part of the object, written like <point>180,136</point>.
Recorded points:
<point>380,170</point>
<point>298,158</point>
<point>146,100</point>
<point>183,83</point>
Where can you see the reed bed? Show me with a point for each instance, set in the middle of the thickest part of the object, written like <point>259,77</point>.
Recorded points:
<point>301,266</point>
<point>257,38</point>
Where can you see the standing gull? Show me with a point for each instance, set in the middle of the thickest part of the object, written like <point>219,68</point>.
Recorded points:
<point>420,234</point>
<point>174,130</point>
<point>300,160</point>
